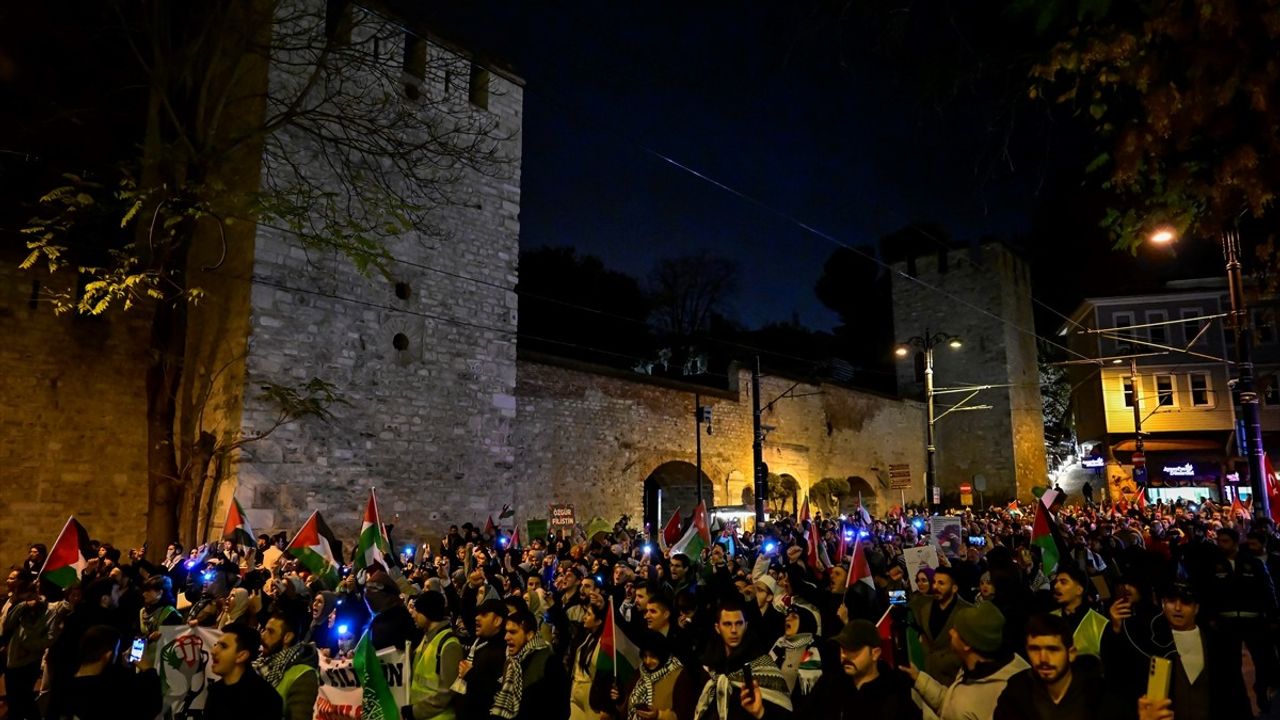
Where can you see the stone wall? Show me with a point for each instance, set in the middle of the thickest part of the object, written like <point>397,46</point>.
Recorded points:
<point>591,437</point>
<point>423,357</point>
<point>983,296</point>
<point>72,418</point>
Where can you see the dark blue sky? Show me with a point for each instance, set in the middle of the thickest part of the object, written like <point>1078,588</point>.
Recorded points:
<point>770,99</point>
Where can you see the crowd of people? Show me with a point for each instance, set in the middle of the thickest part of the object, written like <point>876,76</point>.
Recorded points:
<point>814,618</point>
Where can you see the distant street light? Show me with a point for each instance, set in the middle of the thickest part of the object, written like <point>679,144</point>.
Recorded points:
<point>926,343</point>
<point>1245,386</point>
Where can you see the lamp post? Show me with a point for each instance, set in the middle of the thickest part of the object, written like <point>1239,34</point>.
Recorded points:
<point>1243,333</point>
<point>701,414</point>
<point>926,343</point>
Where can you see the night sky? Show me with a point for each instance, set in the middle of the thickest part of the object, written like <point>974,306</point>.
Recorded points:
<point>770,100</point>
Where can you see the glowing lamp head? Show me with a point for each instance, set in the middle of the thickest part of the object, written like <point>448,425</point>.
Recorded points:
<point>1163,236</point>
<point>955,343</point>
<point>901,351</point>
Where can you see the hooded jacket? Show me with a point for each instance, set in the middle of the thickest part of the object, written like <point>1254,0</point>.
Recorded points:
<point>974,693</point>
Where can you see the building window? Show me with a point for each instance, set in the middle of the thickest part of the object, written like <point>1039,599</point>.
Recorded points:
<point>1159,334</point>
<point>1165,394</point>
<point>478,86</point>
<point>1264,330</point>
<point>1191,324</point>
<point>415,65</point>
<point>1270,391</point>
<point>1201,390</point>
<point>1122,324</point>
<point>1128,392</point>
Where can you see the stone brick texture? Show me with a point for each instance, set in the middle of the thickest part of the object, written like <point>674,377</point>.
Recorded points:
<point>984,296</point>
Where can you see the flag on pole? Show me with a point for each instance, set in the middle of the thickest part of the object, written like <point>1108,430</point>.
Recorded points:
<point>843,546</point>
<point>236,528</point>
<point>373,545</point>
<point>1142,498</point>
<point>885,628</point>
<point>863,515</point>
<point>670,534</point>
<point>814,556</point>
<point>318,550</point>
<point>1043,535</point>
<point>515,537</point>
<point>618,656</point>
<point>859,568</point>
<point>377,700</point>
<point>69,556</point>
<point>1237,508</point>
<point>697,537</point>
<point>804,517</point>
<point>490,530</point>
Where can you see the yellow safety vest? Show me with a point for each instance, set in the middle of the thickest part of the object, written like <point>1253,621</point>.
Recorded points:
<point>290,676</point>
<point>426,669</point>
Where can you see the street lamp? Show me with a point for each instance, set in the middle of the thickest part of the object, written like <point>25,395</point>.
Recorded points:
<point>1245,386</point>
<point>926,343</point>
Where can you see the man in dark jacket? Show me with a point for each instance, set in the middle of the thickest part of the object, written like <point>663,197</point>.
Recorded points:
<point>1243,599</point>
<point>1050,688</point>
<point>534,683</point>
<point>101,688</point>
<point>392,625</point>
<point>864,686</point>
<point>481,672</point>
<point>240,693</point>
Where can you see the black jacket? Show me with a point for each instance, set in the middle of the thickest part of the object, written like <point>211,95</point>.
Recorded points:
<point>250,699</point>
<point>483,680</point>
<point>888,696</point>
<point>1025,698</point>
<point>116,693</point>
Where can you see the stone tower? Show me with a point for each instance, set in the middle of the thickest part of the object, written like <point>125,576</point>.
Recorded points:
<point>983,295</point>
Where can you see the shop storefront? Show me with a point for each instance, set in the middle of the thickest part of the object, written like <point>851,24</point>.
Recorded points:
<point>1173,477</point>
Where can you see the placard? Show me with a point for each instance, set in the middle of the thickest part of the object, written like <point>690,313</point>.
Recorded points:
<point>916,558</point>
<point>186,669</point>
<point>946,533</point>
<point>537,530</point>
<point>340,694</point>
<point>561,517</point>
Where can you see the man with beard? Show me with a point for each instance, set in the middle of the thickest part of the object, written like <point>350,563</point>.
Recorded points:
<point>291,667</point>
<point>1070,591</point>
<point>863,686</point>
<point>1049,690</point>
<point>935,619</point>
<point>534,683</point>
<point>726,695</point>
<point>481,671</point>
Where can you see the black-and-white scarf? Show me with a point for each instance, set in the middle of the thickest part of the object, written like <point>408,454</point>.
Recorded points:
<point>272,667</point>
<point>642,693</point>
<point>773,688</point>
<point>507,703</point>
<point>799,660</point>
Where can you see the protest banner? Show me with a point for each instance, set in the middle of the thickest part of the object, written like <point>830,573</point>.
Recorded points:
<point>340,694</point>
<point>918,557</point>
<point>185,669</point>
<point>562,518</point>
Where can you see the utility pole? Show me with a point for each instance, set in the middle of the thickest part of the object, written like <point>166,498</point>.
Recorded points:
<point>930,449</point>
<point>760,470</point>
<point>1139,452</point>
<point>700,415</point>
<point>1240,327</point>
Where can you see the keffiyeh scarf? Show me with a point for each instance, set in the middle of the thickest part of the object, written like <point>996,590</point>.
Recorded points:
<point>272,667</point>
<point>642,693</point>
<point>773,689</point>
<point>507,703</point>
<point>799,660</point>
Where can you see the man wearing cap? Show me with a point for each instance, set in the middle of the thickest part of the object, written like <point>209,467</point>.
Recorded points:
<point>976,636</point>
<point>481,672</point>
<point>863,686</point>
<point>1206,679</point>
<point>771,621</point>
<point>1049,689</point>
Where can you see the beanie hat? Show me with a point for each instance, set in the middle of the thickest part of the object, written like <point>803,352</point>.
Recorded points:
<point>808,619</point>
<point>981,627</point>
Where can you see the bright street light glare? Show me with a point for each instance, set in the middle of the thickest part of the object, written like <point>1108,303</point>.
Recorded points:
<point>955,344</point>
<point>900,351</point>
<point>1163,236</point>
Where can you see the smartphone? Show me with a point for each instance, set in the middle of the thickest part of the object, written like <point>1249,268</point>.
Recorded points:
<point>897,597</point>
<point>748,677</point>
<point>139,647</point>
<point>1158,680</point>
<point>977,541</point>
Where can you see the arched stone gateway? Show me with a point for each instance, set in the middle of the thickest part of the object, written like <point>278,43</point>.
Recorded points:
<point>674,485</point>
<point>859,485</point>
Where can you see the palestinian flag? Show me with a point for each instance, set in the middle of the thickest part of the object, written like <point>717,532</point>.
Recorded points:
<point>618,656</point>
<point>859,569</point>
<point>317,549</point>
<point>816,548</point>
<point>69,556</point>
<point>373,546</point>
<point>377,702</point>
<point>490,530</point>
<point>885,628</point>
<point>515,537</point>
<point>670,534</point>
<point>1043,535</point>
<point>236,528</point>
<point>696,538</point>
<point>804,516</point>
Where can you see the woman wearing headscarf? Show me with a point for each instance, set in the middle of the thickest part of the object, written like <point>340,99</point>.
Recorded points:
<point>236,608</point>
<point>322,630</point>
<point>797,655</point>
<point>664,689</point>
